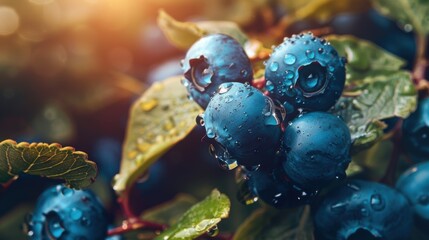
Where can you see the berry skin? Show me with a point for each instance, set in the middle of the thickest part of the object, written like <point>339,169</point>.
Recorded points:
<point>317,148</point>
<point>272,187</point>
<point>212,60</point>
<point>362,205</point>
<point>305,72</point>
<point>415,130</point>
<point>414,184</point>
<point>64,213</point>
<point>244,123</point>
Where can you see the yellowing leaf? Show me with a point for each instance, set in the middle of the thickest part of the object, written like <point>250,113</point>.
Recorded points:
<point>414,12</point>
<point>159,119</point>
<point>184,34</point>
<point>200,218</point>
<point>48,160</point>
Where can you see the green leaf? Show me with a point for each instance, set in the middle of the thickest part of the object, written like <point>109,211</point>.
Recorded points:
<point>267,224</point>
<point>159,119</point>
<point>414,12</point>
<point>184,34</point>
<point>169,212</point>
<point>375,89</point>
<point>364,58</point>
<point>200,218</point>
<point>47,160</point>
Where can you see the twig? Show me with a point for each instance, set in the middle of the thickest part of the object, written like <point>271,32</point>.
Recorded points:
<point>421,62</point>
<point>136,224</point>
<point>124,201</point>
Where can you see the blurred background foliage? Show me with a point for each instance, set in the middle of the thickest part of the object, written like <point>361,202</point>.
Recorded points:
<point>69,71</point>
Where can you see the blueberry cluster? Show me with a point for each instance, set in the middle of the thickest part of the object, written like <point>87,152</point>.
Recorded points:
<point>286,144</point>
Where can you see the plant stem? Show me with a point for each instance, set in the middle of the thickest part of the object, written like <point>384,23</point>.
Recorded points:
<point>421,62</point>
<point>124,201</point>
<point>136,224</point>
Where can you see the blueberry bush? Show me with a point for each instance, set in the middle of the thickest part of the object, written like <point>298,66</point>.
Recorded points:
<point>268,119</point>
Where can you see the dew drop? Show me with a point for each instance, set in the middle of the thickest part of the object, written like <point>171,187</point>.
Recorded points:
<point>320,50</point>
<point>53,226</point>
<point>289,59</point>
<point>269,86</point>
<point>377,202</point>
<point>210,133</point>
<point>75,214</point>
<point>274,66</point>
<point>289,75</point>
<point>331,68</point>
<point>149,105</point>
<point>225,87</point>
<point>229,98</point>
<point>213,232</point>
<point>353,186</point>
<point>243,73</point>
<point>309,53</point>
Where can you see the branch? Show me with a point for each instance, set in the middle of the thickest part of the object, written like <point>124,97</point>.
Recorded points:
<point>136,224</point>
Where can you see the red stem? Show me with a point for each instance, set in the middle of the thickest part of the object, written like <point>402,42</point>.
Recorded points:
<point>124,201</point>
<point>136,224</point>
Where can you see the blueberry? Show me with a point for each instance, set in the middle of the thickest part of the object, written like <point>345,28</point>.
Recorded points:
<point>212,60</point>
<point>414,184</point>
<point>415,131</point>
<point>317,148</point>
<point>305,72</point>
<point>244,123</point>
<point>272,186</point>
<point>358,206</point>
<point>64,213</point>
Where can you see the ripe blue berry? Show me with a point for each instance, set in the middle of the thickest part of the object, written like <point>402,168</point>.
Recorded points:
<point>361,205</point>
<point>212,60</point>
<point>305,72</point>
<point>244,123</point>
<point>64,213</point>
<point>317,148</point>
<point>415,131</point>
<point>414,184</point>
<point>272,187</point>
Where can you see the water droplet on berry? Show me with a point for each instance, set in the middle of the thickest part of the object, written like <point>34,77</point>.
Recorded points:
<point>289,59</point>
<point>213,232</point>
<point>67,191</point>
<point>423,199</point>
<point>222,155</point>
<point>243,73</point>
<point>274,66</point>
<point>331,68</point>
<point>309,53</point>
<point>320,50</point>
<point>210,133</point>
<point>289,75</point>
<point>225,87</point>
<point>269,86</point>
<point>76,214</point>
<point>377,202</point>
<point>229,98</point>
